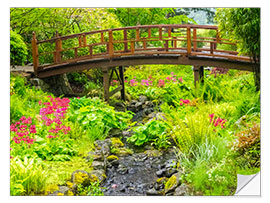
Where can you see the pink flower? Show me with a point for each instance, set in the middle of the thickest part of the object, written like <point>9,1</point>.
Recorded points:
<point>161,83</point>
<point>184,101</point>
<point>180,80</point>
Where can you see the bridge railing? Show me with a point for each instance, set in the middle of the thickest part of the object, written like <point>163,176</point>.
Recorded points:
<point>135,40</point>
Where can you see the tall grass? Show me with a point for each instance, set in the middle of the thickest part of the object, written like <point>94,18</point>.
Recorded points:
<point>27,177</point>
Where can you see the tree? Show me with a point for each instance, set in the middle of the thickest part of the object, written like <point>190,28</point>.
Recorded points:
<point>149,16</point>
<point>243,24</point>
<point>46,21</point>
<point>18,49</point>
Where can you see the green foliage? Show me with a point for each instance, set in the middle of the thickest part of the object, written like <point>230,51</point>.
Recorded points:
<point>209,168</point>
<point>92,190</point>
<point>46,21</point>
<point>27,177</point>
<point>148,16</point>
<point>241,24</point>
<point>18,49</point>
<point>153,131</point>
<point>24,99</point>
<point>96,117</point>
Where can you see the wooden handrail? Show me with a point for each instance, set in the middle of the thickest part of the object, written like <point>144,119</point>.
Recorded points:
<point>145,41</point>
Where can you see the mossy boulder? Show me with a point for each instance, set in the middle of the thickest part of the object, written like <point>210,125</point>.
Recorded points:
<point>123,151</point>
<point>161,180</point>
<point>153,153</point>
<point>112,158</point>
<point>172,183</point>
<point>116,142</point>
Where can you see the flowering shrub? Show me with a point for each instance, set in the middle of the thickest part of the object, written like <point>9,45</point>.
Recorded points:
<point>24,131</point>
<point>53,115</point>
<point>220,71</point>
<point>218,121</point>
<point>184,101</point>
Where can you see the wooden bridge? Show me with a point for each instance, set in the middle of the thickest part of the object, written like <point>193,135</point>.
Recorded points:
<point>137,45</point>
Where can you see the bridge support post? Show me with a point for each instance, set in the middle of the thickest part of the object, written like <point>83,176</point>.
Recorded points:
<point>198,75</point>
<point>106,84</point>
<point>121,73</point>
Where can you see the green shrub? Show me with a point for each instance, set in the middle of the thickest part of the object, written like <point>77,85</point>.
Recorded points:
<point>18,49</point>
<point>247,148</point>
<point>153,131</point>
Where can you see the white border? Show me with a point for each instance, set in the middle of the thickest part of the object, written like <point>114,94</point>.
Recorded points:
<point>265,65</point>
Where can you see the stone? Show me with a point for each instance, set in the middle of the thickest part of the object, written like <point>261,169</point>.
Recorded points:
<point>172,183</point>
<point>58,84</point>
<point>182,190</point>
<point>152,192</point>
<point>138,106</point>
<point>79,176</point>
<point>100,174</point>
<point>160,172</point>
<point>153,153</point>
<point>103,146</point>
<point>115,132</point>
<point>169,172</point>
<point>95,156</point>
<point>116,142</point>
<point>98,165</point>
<point>142,99</point>
<point>63,189</point>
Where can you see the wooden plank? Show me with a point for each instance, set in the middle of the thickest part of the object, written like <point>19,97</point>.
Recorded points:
<point>174,42</point>
<point>75,52</point>
<point>35,53</point>
<point>194,38</point>
<point>144,43</point>
<point>58,47</point>
<point>80,41</point>
<point>166,45</point>
<point>114,91</point>
<point>160,33</point>
<point>106,84</point>
<point>125,40</point>
<point>102,37</point>
<point>90,50</point>
<point>169,32</point>
<point>132,48</point>
<point>137,34</point>
<point>110,43</point>
<point>84,41</point>
<point>188,41</point>
<point>121,73</point>
<point>149,32</point>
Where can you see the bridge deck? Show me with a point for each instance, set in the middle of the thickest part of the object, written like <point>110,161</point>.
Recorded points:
<point>103,48</point>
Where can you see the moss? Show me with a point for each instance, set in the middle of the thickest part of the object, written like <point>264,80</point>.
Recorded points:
<point>153,153</point>
<point>69,184</point>
<point>93,178</point>
<point>69,193</point>
<point>122,151</point>
<point>161,180</point>
<point>51,188</point>
<point>112,157</point>
<point>59,171</point>
<point>171,182</point>
<point>116,142</point>
<point>80,177</point>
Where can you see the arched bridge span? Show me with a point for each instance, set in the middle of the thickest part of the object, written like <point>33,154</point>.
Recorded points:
<point>137,45</point>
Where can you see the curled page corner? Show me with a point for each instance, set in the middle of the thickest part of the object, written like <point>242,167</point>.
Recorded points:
<point>248,184</point>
